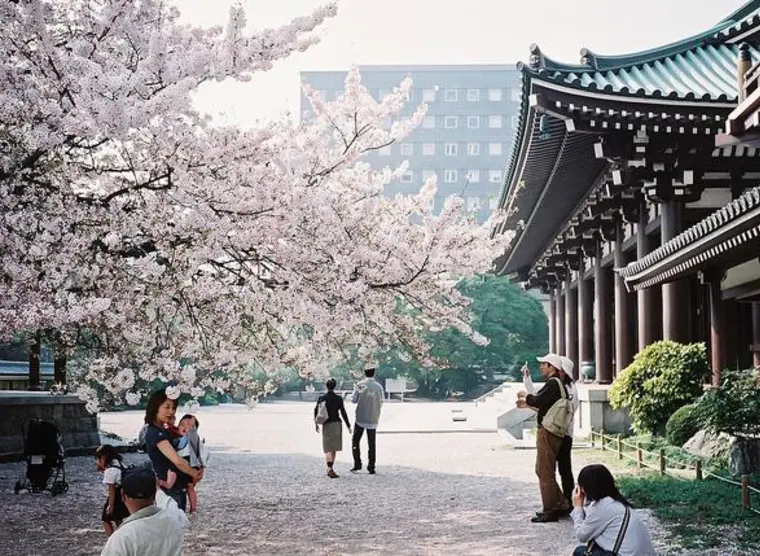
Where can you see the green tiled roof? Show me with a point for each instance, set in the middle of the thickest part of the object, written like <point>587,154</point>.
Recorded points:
<point>702,67</point>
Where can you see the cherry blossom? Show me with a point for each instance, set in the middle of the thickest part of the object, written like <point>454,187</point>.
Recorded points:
<point>182,251</point>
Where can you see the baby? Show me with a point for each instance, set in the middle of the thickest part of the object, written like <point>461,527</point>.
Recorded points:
<point>188,447</point>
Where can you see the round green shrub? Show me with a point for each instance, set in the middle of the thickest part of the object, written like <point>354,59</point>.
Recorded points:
<point>663,377</point>
<point>682,425</point>
<point>734,408</point>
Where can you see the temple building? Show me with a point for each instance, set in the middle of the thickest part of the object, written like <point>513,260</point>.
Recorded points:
<point>632,188</point>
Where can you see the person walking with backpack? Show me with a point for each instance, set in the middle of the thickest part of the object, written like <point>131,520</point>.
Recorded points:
<point>368,397</point>
<point>327,412</point>
<point>549,436</point>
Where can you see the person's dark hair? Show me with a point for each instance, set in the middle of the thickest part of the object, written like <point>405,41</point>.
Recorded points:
<point>597,482</point>
<point>331,384</point>
<point>193,417</point>
<point>155,401</point>
<point>109,452</point>
<point>566,378</point>
<point>370,372</point>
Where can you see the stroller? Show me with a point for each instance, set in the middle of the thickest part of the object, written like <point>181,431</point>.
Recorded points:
<point>45,458</point>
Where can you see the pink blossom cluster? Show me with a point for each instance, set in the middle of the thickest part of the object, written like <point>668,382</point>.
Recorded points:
<point>127,219</point>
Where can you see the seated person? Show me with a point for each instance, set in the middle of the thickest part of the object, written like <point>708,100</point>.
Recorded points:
<point>603,518</point>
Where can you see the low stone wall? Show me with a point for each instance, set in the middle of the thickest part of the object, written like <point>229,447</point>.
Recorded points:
<point>595,411</point>
<point>78,427</point>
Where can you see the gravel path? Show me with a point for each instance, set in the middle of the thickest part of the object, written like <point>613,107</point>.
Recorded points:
<point>266,493</point>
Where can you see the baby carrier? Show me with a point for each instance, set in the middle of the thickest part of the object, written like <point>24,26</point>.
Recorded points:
<point>45,459</point>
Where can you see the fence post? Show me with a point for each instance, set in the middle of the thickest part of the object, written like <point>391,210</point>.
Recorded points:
<point>745,492</point>
<point>639,459</point>
<point>619,447</point>
<point>662,461</point>
<point>699,469</point>
<point>592,439</point>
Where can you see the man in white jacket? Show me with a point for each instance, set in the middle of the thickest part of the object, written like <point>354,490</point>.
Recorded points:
<point>148,529</point>
<point>368,397</point>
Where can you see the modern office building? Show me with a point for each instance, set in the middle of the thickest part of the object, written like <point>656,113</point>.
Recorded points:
<point>465,137</point>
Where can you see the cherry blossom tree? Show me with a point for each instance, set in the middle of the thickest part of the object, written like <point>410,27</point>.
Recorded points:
<point>189,252</point>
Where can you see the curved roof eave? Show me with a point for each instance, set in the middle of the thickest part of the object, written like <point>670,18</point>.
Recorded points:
<point>739,21</point>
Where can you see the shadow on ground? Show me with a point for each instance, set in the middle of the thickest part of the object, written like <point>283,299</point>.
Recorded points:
<point>283,504</point>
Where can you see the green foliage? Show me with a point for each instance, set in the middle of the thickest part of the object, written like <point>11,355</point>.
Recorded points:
<point>682,425</point>
<point>690,508</point>
<point>734,408</point>
<point>513,321</point>
<point>663,377</point>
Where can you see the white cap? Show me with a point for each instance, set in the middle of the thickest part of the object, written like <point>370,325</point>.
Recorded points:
<point>567,365</point>
<point>553,359</point>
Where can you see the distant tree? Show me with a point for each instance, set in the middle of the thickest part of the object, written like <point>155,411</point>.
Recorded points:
<point>513,321</point>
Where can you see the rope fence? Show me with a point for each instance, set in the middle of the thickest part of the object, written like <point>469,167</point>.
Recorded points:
<point>658,461</point>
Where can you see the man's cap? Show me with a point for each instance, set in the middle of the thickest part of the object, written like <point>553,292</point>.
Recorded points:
<point>567,365</point>
<point>139,482</point>
<point>553,359</point>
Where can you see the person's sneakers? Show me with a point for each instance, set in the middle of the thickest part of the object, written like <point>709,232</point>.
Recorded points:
<point>356,469</point>
<point>371,471</point>
<point>332,474</point>
<point>547,517</point>
<point>566,512</point>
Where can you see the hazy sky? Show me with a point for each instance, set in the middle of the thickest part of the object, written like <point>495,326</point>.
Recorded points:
<point>444,32</point>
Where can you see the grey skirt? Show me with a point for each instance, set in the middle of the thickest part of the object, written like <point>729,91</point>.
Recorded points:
<point>332,437</point>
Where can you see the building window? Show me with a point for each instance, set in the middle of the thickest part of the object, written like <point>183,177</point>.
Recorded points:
<point>516,94</point>
<point>494,95</point>
<point>473,176</point>
<point>494,149</point>
<point>494,176</point>
<point>407,149</point>
<point>494,121</point>
<point>450,122</point>
<point>384,151</point>
<point>473,122</point>
<point>450,95</point>
<point>428,149</point>
<point>473,204</point>
<point>473,149</point>
<point>473,95</point>
<point>428,122</point>
<point>451,149</point>
<point>407,177</point>
<point>428,95</point>
<point>427,174</point>
<point>450,176</point>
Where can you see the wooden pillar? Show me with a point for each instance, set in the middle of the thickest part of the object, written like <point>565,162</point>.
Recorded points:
<point>674,313</point>
<point>560,310</point>
<point>552,324</point>
<point>717,327</point>
<point>602,321</point>
<point>647,331</point>
<point>731,342</point>
<point>571,324</point>
<point>585,321</point>
<point>34,362</point>
<point>624,333</point>
<point>756,334</point>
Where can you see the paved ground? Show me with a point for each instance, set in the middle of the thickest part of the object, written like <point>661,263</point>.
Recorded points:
<point>266,493</point>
